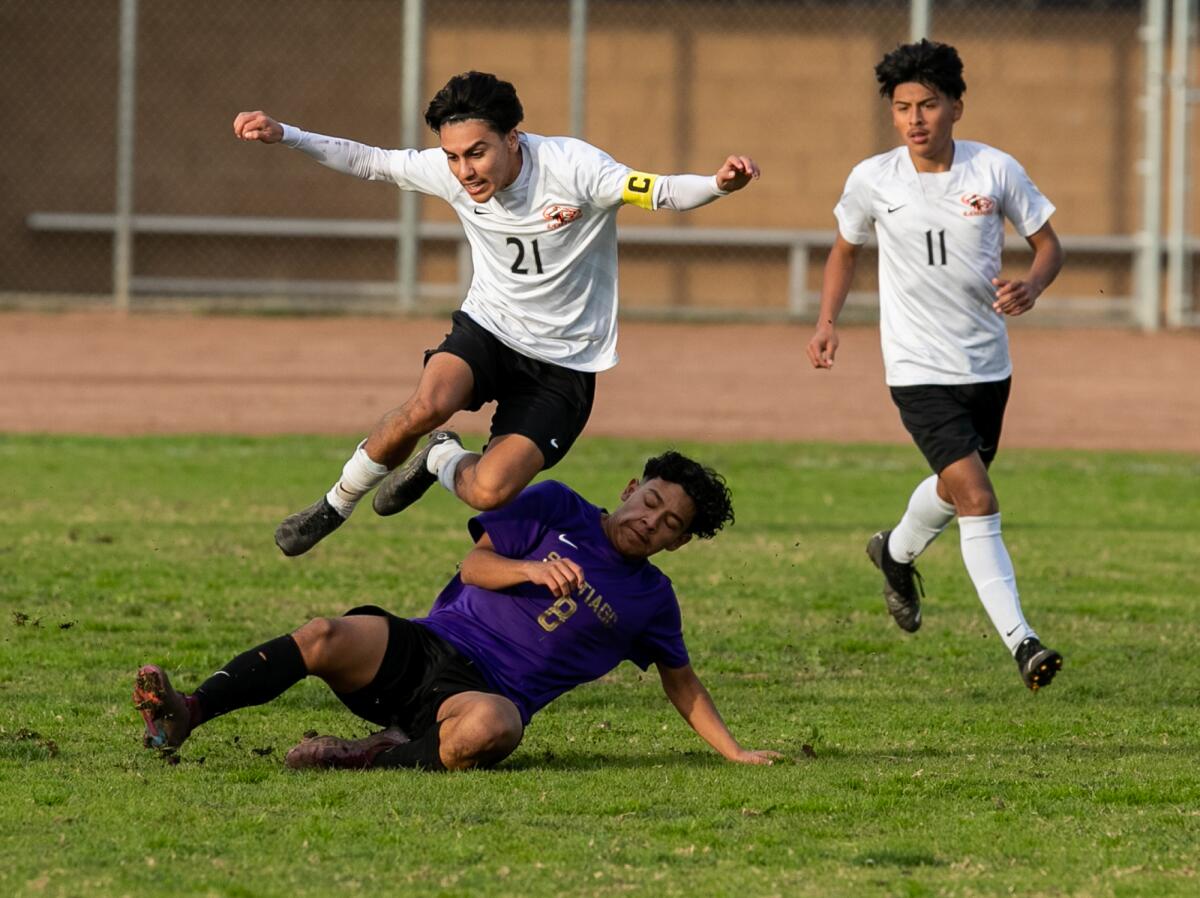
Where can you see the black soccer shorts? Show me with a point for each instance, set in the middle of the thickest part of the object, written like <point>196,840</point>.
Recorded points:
<point>950,421</point>
<point>420,670</point>
<point>547,403</point>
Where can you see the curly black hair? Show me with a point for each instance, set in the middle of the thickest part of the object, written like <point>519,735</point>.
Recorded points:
<point>926,62</point>
<point>704,486</point>
<point>476,95</point>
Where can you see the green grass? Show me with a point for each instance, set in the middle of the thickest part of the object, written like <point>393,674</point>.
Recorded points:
<point>935,771</point>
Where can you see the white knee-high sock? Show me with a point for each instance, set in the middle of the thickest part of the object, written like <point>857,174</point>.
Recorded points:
<point>926,517</point>
<point>991,571</point>
<point>359,477</point>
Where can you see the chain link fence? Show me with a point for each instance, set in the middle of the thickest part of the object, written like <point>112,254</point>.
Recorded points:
<point>663,86</point>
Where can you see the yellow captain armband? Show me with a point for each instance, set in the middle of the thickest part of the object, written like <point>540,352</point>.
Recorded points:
<point>639,189</point>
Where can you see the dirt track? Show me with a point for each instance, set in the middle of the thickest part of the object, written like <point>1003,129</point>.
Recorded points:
<point>98,373</point>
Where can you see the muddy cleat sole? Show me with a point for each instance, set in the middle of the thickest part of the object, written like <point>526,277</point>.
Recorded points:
<point>408,483</point>
<point>1037,664</point>
<point>300,532</point>
<point>164,711</point>
<point>902,585</point>
<point>324,752</point>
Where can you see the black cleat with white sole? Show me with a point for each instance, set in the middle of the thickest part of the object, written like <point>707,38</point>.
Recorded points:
<point>300,532</point>
<point>1037,664</point>
<point>902,585</point>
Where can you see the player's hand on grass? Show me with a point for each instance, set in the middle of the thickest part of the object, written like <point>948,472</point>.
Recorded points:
<point>823,346</point>
<point>257,126</point>
<point>1014,297</point>
<point>736,173</point>
<point>761,757</point>
<point>561,576</point>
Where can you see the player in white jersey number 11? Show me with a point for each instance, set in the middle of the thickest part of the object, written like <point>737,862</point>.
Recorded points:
<point>540,316</point>
<point>938,206</point>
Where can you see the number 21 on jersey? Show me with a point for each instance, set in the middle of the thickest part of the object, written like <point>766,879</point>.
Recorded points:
<point>518,265</point>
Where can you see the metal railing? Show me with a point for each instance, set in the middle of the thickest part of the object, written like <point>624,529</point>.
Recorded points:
<point>801,300</point>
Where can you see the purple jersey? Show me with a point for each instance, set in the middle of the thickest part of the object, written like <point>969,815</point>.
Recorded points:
<point>533,647</point>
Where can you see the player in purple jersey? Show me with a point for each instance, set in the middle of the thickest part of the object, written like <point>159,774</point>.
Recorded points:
<point>556,592</point>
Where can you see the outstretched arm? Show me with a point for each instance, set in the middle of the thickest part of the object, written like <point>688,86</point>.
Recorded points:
<point>1018,297</point>
<point>683,192</point>
<point>486,568</point>
<point>839,272</point>
<point>346,156</point>
<point>695,705</point>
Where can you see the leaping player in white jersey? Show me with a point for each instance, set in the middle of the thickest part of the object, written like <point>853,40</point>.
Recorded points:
<point>938,207</point>
<point>540,317</point>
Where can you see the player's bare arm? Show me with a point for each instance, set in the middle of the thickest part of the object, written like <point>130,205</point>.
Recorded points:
<point>1018,297</point>
<point>486,568</point>
<point>257,126</point>
<point>835,286</point>
<point>736,173</point>
<point>695,705</point>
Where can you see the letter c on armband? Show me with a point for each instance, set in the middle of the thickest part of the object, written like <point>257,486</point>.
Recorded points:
<point>639,189</point>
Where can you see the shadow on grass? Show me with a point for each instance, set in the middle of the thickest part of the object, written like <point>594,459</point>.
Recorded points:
<point>580,762</point>
<point>1031,748</point>
<point>886,857</point>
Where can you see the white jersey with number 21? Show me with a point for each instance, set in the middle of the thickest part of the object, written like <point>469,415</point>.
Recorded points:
<point>544,249</point>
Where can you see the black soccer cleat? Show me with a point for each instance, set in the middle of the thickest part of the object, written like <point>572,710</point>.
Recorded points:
<point>1037,664</point>
<point>408,483</point>
<point>300,532</point>
<point>344,754</point>
<point>903,587</point>
<point>164,711</point>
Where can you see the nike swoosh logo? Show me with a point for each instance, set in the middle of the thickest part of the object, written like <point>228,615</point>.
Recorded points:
<point>563,539</point>
<point>1012,631</point>
<point>554,442</point>
<point>892,209</point>
<point>481,211</point>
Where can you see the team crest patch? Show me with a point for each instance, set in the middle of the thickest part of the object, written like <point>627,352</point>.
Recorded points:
<point>978,204</point>
<point>556,216</point>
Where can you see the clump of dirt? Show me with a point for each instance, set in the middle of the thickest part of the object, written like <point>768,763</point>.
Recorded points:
<point>27,735</point>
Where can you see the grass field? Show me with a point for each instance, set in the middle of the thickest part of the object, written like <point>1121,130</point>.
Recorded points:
<point>935,772</point>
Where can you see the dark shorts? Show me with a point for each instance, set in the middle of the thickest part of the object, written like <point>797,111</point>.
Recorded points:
<point>546,403</point>
<point>420,670</point>
<point>949,422</point>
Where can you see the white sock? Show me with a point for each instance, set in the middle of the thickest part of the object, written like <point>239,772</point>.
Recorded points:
<point>991,571</point>
<point>439,453</point>
<point>359,477</point>
<point>450,468</point>
<point>443,461</point>
<point>927,516</point>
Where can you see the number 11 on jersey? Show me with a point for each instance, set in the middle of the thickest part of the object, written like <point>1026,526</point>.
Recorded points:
<point>941,239</point>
